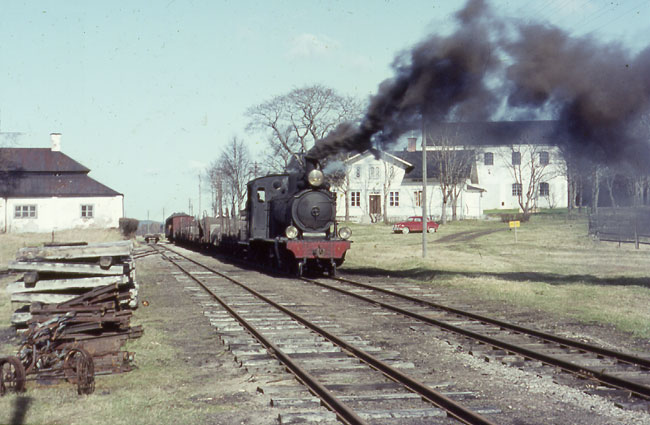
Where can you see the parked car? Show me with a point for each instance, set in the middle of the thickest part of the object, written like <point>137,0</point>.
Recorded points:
<point>414,224</point>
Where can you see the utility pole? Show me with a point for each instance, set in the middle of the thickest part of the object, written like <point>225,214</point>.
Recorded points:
<point>199,215</point>
<point>424,191</point>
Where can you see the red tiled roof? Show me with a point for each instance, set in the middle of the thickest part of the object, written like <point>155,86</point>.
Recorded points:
<point>39,160</point>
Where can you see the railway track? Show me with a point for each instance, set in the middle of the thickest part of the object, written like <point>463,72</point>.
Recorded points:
<point>607,372</point>
<point>360,383</point>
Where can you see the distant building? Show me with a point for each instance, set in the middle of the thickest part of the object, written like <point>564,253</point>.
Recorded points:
<point>508,159</point>
<point>43,190</point>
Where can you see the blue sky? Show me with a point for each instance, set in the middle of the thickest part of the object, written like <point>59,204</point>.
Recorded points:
<point>147,93</point>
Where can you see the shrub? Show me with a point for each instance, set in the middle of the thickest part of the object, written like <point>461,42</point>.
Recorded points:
<point>514,217</point>
<point>128,227</point>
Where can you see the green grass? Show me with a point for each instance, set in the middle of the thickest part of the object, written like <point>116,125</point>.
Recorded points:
<point>554,266</point>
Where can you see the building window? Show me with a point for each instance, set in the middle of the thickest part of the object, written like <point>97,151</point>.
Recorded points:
<point>355,199</point>
<point>516,189</point>
<point>488,158</point>
<point>544,189</point>
<point>25,211</point>
<point>394,199</point>
<point>87,211</point>
<point>357,171</point>
<point>543,158</point>
<point>418,198</point>
<point>375,172</point>
<point>516,158</point>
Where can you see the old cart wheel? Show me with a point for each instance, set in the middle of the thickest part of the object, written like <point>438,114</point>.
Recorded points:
<point>12,375</point>
<point>405,230</point>
<point>79,369</point>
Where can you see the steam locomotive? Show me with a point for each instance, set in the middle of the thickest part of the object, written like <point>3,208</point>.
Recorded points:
<point>289,224</point>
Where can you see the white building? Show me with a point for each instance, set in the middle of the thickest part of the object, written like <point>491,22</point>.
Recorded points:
<point>510,160</point>
<point>43,190</point>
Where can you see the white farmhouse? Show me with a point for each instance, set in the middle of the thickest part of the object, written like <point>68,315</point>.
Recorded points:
<point>392,183</point>
<point>516,161</point>
<point>42,190</point>
<point>511,162</point>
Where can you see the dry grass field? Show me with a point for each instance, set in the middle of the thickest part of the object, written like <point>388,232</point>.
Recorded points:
<point>554,267</point>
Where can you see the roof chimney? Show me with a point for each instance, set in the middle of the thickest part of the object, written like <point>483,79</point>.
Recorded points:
<point>411,145</point>
<point>56,142</point>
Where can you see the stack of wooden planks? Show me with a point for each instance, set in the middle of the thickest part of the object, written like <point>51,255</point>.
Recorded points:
<point>89,287</point>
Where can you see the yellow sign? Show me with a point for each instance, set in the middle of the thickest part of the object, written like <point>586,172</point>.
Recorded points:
<point>514,224</point>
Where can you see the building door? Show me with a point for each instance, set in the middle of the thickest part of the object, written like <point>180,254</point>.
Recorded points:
<point>374,204</point>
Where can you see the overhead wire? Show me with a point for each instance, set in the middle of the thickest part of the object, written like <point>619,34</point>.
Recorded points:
<point>621,15</point>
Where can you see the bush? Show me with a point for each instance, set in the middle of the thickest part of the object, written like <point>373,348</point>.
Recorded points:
<point>128,227</point>
<point>514,217</point>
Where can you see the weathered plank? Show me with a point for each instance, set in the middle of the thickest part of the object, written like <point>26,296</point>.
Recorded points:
<point>68,268</point>
<point>66,284</point>
<point>20,317</point>
<point>41,297</point>
<point>111,249</point>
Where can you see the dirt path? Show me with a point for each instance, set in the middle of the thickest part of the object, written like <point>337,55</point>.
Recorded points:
<point>466,236</point>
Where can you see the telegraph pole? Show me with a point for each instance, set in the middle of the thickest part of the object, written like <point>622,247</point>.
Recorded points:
<point>424,191</point>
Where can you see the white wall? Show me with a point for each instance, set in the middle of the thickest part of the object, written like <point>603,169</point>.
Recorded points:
<point>368,183</point>
<point>497,179</point>
<point>63,213</point>
<point>2,214</point>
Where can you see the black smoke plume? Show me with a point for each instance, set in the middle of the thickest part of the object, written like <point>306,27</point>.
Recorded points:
<point>491,68</point>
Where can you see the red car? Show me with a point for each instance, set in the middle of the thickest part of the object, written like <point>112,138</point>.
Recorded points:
<point>414,224</point>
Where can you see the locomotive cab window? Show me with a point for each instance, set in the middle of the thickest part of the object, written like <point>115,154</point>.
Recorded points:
<point>261,194</point>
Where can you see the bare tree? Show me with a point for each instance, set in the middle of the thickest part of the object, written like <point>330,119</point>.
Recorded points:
<point>216,180</point>
<point>293,122</point>
<point>528,166</point>
<point>389,176</point>
<point>453,164</point>
<point>609,174</point>
<point>229,175</point>
<point>338,175</point>
<point>597,173</point>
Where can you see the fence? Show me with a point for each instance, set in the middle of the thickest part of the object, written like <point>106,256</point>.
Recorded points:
<point>622,225</point>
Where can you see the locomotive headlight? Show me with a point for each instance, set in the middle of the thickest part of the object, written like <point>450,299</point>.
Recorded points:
<point>315,178</point>
<point>345,233</point>
<point>291,232</point>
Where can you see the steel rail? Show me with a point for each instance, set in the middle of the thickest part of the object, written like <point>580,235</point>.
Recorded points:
<point>623,357</point>
<point>639,390</point>
<point>452,408</point>
<point>342,411</point>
